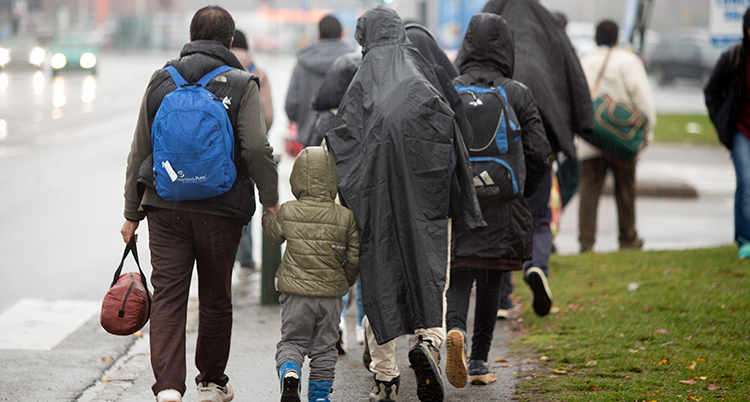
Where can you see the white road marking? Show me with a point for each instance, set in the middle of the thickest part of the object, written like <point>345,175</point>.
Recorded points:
<point>34,324</point>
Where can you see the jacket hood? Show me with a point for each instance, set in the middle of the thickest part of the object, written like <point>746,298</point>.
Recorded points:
<point>314,175</point>
<point>379,26</point>
<point>319,56</point>
<point>211,48</point>
<point>488,47</point>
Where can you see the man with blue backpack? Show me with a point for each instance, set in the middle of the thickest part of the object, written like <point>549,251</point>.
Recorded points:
<point>509,157</point>
<point>199,145</point>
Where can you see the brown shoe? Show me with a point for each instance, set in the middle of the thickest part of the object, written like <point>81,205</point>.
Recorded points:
<point>636,244</point>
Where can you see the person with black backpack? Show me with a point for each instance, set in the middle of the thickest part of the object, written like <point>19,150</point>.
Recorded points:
<point>509,157</point>
<point>199,144</point>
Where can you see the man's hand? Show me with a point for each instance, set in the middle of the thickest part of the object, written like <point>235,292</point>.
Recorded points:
<point>128,230</point>
<point>274,209</point>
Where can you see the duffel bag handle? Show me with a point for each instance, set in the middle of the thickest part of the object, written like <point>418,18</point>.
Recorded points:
<point>132,248</point>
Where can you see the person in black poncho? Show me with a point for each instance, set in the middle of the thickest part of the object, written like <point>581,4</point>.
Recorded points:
<point>394,140</point>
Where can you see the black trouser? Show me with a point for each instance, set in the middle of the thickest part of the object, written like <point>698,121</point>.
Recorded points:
<point>485,311</point>
<point>178,240</point>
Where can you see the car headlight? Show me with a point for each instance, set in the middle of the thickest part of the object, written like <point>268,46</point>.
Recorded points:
<point>4,56</point>
<point>58,61</point>
<point>36,57</point>
<point>88,60</point>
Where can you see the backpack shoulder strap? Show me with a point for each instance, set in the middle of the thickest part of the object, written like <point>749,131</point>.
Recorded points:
<point>176,77</point>
<point>212,74</point>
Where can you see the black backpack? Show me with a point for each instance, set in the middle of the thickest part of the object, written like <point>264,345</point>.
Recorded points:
<point>496,153</point>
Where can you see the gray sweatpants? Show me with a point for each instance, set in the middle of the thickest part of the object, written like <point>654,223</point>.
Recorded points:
<point>310,327</point>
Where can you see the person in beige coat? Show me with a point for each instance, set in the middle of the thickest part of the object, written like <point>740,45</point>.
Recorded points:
<point>624,78</point>
<point>320,264</point>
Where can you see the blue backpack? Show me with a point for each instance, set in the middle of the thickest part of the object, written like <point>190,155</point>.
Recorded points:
<point>193,142</point>
<point>496,153</point>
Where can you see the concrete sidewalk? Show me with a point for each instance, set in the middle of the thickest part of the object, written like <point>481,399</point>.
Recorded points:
<point>251,367</point>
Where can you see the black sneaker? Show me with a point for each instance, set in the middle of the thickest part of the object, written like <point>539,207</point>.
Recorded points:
<point>385,391</point>
<point>541,295</point>
<point>425,360</point>
<point>480,373</point>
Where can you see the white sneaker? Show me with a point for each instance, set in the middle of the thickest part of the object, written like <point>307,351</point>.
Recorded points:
<point>210,392</point>
<point>169,395</point>
<point>359,334</point>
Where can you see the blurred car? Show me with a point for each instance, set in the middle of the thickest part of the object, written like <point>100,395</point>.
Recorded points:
<point>691,59</point>
<point>21,52</point>
<point>74,51</point>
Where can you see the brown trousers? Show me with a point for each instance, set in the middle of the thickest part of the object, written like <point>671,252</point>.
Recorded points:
<point>177,241</point>
<point>593,173</point>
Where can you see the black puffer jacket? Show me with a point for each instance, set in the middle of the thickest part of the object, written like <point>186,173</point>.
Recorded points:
<point>724,90</point>
<point>487,53</point>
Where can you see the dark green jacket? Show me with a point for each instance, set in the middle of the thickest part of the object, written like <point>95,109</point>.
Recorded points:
<point>322,249</point>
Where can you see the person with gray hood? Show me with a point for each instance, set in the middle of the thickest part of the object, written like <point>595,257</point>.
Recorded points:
<point>312,64</point>
<point>487,58</point>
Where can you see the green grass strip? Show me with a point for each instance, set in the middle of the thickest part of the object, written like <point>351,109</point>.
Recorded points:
<point>685,129</point>
<point>640,326</point>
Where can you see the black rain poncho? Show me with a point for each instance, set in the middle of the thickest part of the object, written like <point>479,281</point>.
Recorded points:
<point>393,142</point>
<point>547,63</point>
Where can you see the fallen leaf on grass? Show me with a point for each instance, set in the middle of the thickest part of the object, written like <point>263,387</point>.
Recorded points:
<point>591,363</point>
<point>704,378</point>
<point>633,350</point>
<point>702,359</point>
<point>594,388</point>
<point>692,398</point>
<point>501,361</point>
<point>627,377</point>
<point>561,372</point>
<point>664,361</point>
<point>662,331</point>
<point>692,366</point>
<point>687,382</point>
<point>667,343</point>
<point>713,387</point>
<point>555,310</point>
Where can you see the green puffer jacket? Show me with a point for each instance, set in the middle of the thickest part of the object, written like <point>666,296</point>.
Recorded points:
<point>322,251</point>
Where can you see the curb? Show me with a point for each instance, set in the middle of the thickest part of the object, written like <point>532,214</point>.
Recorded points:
<point>645,188</point>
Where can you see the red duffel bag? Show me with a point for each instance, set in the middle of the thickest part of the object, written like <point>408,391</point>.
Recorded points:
<point>127,305</point>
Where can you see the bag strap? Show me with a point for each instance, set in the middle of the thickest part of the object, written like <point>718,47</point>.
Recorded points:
<point>176,77</point>
<point>601,73</point>
<point>131,248</point>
